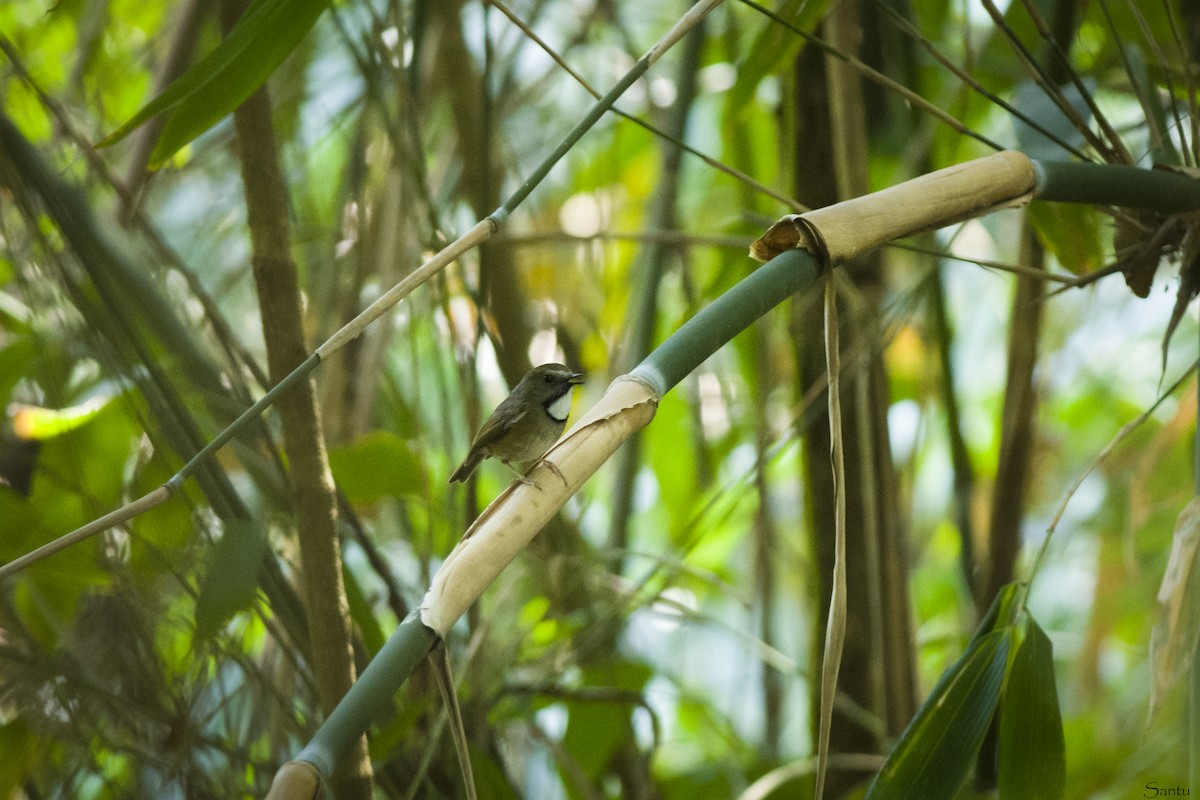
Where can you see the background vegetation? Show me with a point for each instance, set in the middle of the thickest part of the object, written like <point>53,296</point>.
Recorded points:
<point>662,638</point>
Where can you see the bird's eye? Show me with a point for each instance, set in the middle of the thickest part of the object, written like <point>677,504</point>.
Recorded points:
<point>549,379</point>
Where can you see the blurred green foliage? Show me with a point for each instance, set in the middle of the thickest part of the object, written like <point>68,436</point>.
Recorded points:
<point>161,659</point>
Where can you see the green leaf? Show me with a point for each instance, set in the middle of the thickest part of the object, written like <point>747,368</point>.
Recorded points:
<point>20,748</point>
<point>596,727</point>
<point>1072,232</point>
<point>17,360</point>
<point>1032,749</point>
<point>376,465</point>
<point>231,580</point>
<point>491,781</point>
<point>222,80</point>
<point>34,422</point>
<point>938,748</point>
<point>594,732</point>
<point>1003,611</point>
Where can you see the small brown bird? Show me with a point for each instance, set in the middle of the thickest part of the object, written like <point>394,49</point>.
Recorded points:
<point>530,419</point>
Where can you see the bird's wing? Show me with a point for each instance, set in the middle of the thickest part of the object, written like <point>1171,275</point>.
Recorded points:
<point>494,429</point>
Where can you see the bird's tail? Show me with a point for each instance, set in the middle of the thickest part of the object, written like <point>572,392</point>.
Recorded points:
<point>468,466</point>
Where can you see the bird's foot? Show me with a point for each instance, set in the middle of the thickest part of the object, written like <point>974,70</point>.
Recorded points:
<point>522,478</point>
<point>550,465</point>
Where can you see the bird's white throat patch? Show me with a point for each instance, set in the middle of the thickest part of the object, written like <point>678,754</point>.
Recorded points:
<point>559,409</point>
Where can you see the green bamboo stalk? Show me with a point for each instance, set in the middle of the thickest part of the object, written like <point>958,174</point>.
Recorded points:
<point>728,315</point>
<point>792,271</point>
<point>1164,191</point>
<point>398,657</point>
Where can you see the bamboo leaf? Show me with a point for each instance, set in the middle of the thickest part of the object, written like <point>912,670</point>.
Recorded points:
<point>231,580</point>
<point>40,424</point>
<point>1178,629</point>
<point>1032,101</point>
<point>835,631</point>
<point>376,465</point>
<point>1072,232</point>
<point>938,748</point>
<point>222,80</point>
<point>1032,749</point>
<point>21,748</point>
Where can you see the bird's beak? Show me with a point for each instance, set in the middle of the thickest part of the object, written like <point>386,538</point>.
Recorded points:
<point>576,378</point>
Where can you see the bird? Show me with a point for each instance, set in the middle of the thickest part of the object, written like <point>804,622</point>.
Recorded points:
<point>526,423</point>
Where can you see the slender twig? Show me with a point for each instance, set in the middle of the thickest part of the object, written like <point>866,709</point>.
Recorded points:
<point>670,237</point>
<point>966,78</point>
<point>1121,153</point>
<point>1015,269</point>
<point>1158,52</point>
<point>1043,82</point>
<point>1122,434</point>
<point>673,139</point>
<point>1139,90</point>
<point>1189,82</point>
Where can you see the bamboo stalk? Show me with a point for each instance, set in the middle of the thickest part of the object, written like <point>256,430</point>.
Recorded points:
<point>516,516</point>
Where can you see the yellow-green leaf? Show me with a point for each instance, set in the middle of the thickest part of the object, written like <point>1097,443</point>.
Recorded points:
<point>34,422</point>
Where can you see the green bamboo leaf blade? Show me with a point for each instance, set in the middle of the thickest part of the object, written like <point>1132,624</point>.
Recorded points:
<point>34,422</point>
<point>239,38</point>
<point>377,465</point>
<point>222,80</point>
<point>999,612</point>
<point>937,750</point>
<point>231,580</point>
<point>1032,747</point>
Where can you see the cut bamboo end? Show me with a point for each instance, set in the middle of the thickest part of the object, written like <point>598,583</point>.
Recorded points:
<point>953,194</point>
